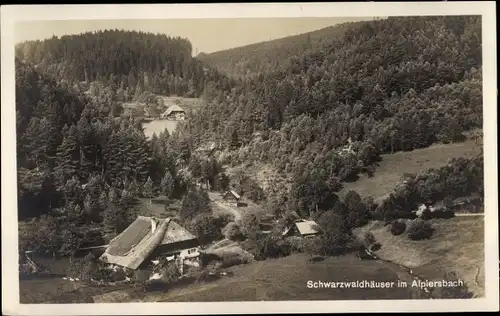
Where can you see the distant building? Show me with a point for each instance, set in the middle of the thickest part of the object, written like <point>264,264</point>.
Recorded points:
<point>149,238</point>
<point>231,198</point>
<point>175,113</point>
<point>302,228</point>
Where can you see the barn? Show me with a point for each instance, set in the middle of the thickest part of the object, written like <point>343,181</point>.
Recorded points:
<point>175,113</point>
<point>231,198</point>
<point>302,228</point>
<point>148,238</point>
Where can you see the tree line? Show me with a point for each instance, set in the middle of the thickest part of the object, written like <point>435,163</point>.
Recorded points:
<point>129,63</point>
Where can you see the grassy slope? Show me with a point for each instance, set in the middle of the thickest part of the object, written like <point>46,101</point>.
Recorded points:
<point>286,279</point>
<point>457,245</point>
<point>393,166</point>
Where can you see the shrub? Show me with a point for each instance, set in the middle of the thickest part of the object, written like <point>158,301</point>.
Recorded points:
<point>419,229</point>
<point>208,227</point>
<point>207,258</point>
<point>398,227</point>
<point>232,231</point>
<point>85,268</point>
<point>426,214</point>
<point>232,259</point>
<point>271,246</point>
<point>299,245</point>
<point>398,214</point>
<point>445,214</point>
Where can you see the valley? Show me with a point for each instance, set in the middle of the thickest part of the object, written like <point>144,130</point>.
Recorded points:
<point>345,154</point>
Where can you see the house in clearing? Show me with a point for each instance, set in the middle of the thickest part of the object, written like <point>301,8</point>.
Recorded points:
<point>175,113</point>
<point>302,228</point>
<point>231,198</point>
<point>148,238</point>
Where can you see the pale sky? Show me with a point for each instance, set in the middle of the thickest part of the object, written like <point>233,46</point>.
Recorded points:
<point>206,35</point>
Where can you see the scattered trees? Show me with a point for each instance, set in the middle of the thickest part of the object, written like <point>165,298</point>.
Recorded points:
<point>208,227</point>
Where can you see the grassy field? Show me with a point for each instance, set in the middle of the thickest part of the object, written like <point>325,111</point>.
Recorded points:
<point>286,279</point>
<point>158,126</point>
<point>393,166</point>
<point>457,245</point>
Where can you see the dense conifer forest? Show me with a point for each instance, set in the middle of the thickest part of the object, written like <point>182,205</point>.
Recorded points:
<point>320,108</point>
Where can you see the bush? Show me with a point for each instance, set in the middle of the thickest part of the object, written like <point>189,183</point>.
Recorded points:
<point>208,227</point>
<point>419,229</point>
<point>272,247</point>
<point>398,227</point>
<point>232,231</point>
<point>394,215</point>
<point>426,214</point>
<point>207,258</point>
<point>85,268</point>
<point>298,245</point>
<point>231,259</point>
<point>444,214</point>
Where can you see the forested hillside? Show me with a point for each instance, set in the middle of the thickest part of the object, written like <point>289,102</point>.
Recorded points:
<point>129,63</point>
<point>79,167</point>
<point>254,59</point>
<point>386,86</point>
<point>320,118</point>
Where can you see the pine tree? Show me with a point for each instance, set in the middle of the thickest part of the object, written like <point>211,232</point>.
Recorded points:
<point>148,190</point>
<point>167,184</point>
<point>115,219</point>
<point>72,191</point>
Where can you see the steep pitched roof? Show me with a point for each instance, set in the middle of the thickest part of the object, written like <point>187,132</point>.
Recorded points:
<point>173,108</point>
<point>136,243</point>
<point>236,195</point>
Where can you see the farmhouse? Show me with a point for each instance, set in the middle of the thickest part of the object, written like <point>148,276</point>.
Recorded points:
<point>302,228</point>
<point>175,113</point>
<point>231,198</point>
<point>148,238</point>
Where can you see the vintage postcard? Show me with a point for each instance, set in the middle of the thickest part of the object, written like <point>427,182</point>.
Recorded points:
<point>249,158</point>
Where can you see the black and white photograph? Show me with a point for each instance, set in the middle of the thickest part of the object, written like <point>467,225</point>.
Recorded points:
<point>230,156</point>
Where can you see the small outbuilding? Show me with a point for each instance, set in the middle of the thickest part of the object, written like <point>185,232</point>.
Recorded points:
<point>231,198</point>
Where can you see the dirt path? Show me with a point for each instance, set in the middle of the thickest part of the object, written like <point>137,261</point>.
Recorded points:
<point>469,214</point>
